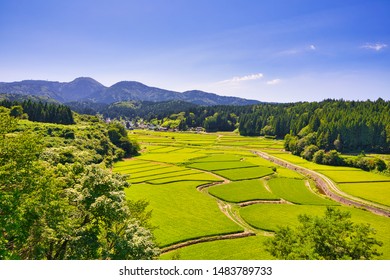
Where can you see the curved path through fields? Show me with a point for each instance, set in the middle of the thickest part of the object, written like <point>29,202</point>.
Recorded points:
<point>327,186</point>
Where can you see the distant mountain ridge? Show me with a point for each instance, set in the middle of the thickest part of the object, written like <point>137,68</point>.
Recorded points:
<point>88,89</point>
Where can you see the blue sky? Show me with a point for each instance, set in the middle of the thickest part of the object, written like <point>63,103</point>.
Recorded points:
<point>269,50</point>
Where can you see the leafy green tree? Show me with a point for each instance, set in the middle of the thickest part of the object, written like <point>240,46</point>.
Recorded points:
<point>331,237</point>
<point>16,111</point>
<point>319,156</point>
<point>71,211</point>
<point>309,152</point>
<point>118,135</point>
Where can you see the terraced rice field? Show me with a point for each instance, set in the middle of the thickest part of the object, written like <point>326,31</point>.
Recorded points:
<point>242,191</point>
<point>296,191</point>
<point>182,213</point>
<point>238,174</point>
<point>212,166</point>
<point>173,165</point>
<point>249,248</point>
<point>368,186</point>
<point>342,176</point>
<point>270,216</point>
<point>378,192</point>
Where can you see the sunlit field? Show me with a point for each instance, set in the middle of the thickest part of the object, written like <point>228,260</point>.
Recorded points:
<point>202,185</point>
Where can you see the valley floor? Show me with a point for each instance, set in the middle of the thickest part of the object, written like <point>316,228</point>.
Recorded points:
<point>214,197</point>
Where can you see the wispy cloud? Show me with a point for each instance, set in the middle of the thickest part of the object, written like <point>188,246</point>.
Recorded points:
<point>274,82</point>
<point>299,50</point>
<point>238,79</point>
<point>377,46</point>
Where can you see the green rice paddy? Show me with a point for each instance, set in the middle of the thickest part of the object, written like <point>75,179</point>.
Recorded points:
<point>173,164</point>
<point>295,190</point>
<point>237,174</point>
<point>182,213</point>
<point>242,191</point>
<point>378,192</point>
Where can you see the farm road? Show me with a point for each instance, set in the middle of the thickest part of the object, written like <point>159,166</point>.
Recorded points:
<point>327,186</point>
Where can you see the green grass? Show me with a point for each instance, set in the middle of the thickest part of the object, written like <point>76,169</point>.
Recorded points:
<point>295,190</point>
<point>133,162</point>
<point>245,173</point>
<point>378,192</point>
<point>171,157</point>
<point>139,170</point>
<point>270,216</point>
<point>288,173</point>
<point>322,167</point>
<point>214,166</point>
<point>196,176</point>
<point>172,176</point>
<point>181,212</point>
<point>355,176</point>
<point>241,191</point>
<point>167,149</point>
<point>260,161</point>
<point>158,169</point>
<point>219,157</point>
<point>248,248</point>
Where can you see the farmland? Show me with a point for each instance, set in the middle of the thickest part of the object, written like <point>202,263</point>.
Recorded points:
<point>202,187</point>
<point>242,191</point>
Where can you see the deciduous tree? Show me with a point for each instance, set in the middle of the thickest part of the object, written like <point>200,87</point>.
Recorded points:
<point>331,237</point>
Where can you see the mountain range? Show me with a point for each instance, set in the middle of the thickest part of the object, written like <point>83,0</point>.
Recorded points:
<point>88,89</point>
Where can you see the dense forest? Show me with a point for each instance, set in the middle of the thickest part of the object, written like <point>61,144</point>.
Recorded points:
<point>348,126</point>
<point>40,111</point>
<point>345,126</point>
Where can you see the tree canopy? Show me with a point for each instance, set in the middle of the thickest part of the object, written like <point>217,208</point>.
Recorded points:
<point>64,211</point>
<point>331,237</point>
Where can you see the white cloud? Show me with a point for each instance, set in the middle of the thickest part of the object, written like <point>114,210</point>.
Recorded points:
<point>274,82</point>
<point>376,47</point>
<point>299,50</point>
<point>244,78</point>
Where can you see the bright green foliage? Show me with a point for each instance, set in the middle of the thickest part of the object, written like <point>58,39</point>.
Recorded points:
<point>332,237</point>
<point>64,211</point>
<point>41,112</point>
<point>241,191</point>
<point>118,135</point>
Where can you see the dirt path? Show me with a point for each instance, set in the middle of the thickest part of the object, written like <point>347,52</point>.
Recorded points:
<point>327,186</point>
<point>206,239</point>
<point>226,209</point>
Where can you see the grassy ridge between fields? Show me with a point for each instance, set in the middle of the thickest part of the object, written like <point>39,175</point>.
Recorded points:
<point>182,213</point>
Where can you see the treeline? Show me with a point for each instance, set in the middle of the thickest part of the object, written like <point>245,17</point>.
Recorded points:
<point>40,111</point>
<point>171,114</point>
<point>346,126</point>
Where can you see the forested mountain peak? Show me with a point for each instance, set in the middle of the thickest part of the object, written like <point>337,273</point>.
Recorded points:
<point>85,88</point>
